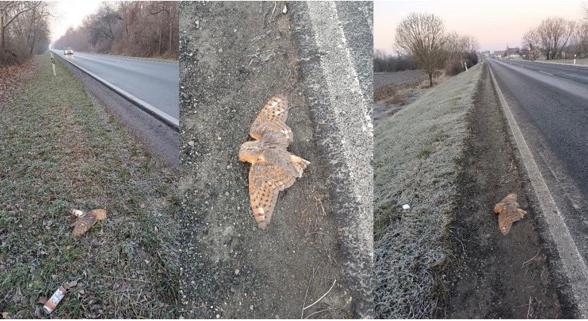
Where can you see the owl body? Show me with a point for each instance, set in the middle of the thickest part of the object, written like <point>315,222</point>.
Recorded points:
<point>85,221</point>
<point>273,168</point>
<point>508,212</point>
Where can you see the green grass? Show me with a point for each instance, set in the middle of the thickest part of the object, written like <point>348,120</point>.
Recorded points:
<point>59,151</point>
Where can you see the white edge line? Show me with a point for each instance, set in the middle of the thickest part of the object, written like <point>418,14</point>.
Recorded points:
<point>166,118</point>
<point>570,257</point>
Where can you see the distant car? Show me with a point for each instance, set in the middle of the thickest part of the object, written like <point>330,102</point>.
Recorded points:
<point>68,52</point>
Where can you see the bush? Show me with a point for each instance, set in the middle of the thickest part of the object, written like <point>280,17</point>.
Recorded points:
<point>386,63</point>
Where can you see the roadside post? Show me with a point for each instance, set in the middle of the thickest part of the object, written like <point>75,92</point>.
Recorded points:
<point>53,65</point>
<point>574,59</point>
<point>465,64</point>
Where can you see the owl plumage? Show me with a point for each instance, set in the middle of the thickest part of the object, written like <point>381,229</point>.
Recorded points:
<point>273,168</point>
<point>508,212</point>
<point>85,221</point>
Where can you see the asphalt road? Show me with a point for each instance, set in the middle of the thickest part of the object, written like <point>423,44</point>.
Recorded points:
<point>550,104</point>
<point>155,82</point>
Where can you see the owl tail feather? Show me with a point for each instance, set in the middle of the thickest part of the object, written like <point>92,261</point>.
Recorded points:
<point>299,164</point>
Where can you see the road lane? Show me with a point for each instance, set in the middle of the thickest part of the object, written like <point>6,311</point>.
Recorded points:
<point>571,72</point>
<point>155,82</point>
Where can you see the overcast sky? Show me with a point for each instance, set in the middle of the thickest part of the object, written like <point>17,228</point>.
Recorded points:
<point>495,24</point>
<point>68,14</point>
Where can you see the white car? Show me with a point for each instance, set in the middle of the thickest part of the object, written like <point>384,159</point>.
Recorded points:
<point>67,52</point>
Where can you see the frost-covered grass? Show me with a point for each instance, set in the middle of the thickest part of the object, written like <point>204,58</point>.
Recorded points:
<point>59,151</point>
<point>415,163</point>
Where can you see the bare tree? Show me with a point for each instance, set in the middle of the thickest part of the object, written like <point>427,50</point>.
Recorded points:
<point>554,34</point>
<point>422,36</point>
<point>532,42</point>
<point>132,28</point>
<point>23,28</point>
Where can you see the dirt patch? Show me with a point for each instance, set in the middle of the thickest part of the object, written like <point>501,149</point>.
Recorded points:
<point>235,56</point>
<point>490,275</point>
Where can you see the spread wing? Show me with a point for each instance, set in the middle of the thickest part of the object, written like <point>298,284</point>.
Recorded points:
<point>508,217</point>
<point>270,123</point>
<point>265,183</point>
<point>83,224</point>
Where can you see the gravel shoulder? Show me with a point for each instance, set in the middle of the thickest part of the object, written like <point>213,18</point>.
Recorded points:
<point>415,163</point>
<point>490,275</point>
<point>235,56</point>
<point>62,150</point>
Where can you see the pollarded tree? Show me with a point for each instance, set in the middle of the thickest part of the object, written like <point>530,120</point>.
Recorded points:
<point>423,37</point>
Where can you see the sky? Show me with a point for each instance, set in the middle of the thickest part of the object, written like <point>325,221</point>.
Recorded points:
<point>495,24</point>
<point>68,14</point>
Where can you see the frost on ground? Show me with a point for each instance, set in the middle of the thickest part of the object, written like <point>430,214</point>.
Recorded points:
<point>60,150</point>
<point>415,164</point>
<point>414,77</point>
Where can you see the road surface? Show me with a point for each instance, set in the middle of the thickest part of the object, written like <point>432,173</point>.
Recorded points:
<point>550,104</point>
<point>155,82</point>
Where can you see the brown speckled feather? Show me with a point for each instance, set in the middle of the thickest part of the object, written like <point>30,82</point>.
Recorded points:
<point>270,123</point>
<point>508,212</point>
<point>273,168</point>
<point>266,181</point>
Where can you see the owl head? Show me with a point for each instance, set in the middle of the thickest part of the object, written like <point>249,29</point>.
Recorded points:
<point>250,152</point>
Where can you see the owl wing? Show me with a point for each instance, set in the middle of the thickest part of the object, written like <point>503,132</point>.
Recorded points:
<point>265,183</point>
<point>83,224</point>
<point>270,123</point>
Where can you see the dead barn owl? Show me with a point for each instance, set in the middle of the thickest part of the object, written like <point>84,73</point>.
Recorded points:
<point>508,212</point>
<point>85,220</point>
<point>273,168</point>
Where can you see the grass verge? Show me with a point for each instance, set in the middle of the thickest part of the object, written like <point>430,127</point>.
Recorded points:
<point>60,150</point>
<point>415,163</point>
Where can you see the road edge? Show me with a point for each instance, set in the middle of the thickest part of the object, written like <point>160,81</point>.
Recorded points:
<point>152,110</point>
<point>334,73</point>
<point>570,258</point>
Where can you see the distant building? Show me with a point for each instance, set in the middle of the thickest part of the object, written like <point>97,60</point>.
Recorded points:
<point>498,53</point>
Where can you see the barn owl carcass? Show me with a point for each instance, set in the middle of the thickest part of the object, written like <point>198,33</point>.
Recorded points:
<point>508,212</point>
<point>273,168</point>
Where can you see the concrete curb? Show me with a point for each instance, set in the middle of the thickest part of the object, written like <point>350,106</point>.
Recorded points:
<point>571,260</point>
<point>337,80</point>
<point>152,110</point>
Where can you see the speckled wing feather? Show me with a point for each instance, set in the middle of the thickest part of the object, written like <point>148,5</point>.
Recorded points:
<point>83,224</point>
<point>265,183</point>
<point>270,124</point>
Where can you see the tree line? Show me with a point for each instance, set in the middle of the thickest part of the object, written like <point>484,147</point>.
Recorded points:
<point>24,30</point>
<point>136,28</point>
<point>422,42</point>
<point>556,38</point>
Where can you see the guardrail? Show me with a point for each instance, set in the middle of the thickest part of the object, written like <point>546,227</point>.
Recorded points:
<point>147,107</point>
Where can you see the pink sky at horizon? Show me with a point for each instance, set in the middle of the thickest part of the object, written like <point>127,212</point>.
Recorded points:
<point>69,14</point>
<point>495,24</point>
